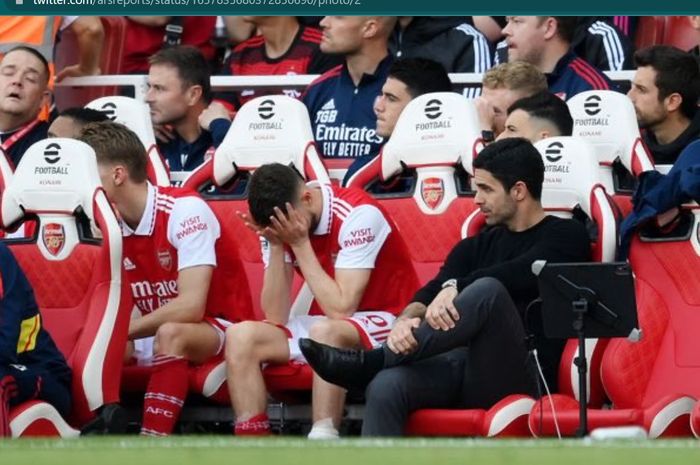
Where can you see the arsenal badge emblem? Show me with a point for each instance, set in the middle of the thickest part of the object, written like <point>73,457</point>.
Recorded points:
<point>54,238</point>
<point>432,190</point>
<point>165,259</point>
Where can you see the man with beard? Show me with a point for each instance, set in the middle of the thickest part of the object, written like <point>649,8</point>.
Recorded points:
<point>665,92</point>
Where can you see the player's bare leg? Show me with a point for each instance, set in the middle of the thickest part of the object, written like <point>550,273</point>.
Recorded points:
<point>196,342</point>
<point>248,345</point>
<point>328,399</point>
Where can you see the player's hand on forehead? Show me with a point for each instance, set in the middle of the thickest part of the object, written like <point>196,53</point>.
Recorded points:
<point>291,227</point>
<point>267,233</point>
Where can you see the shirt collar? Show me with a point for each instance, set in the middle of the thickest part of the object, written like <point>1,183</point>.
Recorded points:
<point>324,223</point>
<point>562,64</point>
<point>379,73</point>
<point>148,220</point>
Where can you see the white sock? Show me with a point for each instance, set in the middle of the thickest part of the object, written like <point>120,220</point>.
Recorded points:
<point>323,429</point>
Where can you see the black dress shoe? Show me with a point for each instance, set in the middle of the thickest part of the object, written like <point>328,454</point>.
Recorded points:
<point>110,419</point>
<point>348,368</point>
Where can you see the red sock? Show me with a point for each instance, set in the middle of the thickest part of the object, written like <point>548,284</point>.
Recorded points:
<point>258,425</point>
<point>167,389</point>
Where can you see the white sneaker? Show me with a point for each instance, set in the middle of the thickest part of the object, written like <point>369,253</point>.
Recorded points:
<point>323,430</point>
<point>323,434</point>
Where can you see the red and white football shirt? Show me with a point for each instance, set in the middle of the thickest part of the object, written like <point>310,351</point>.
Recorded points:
<point>354,232</point>
<point>178,230</point>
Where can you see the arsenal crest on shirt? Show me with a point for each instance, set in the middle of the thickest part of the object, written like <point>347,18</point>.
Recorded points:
<point>165,259</point>
<point>432,190</point>
<point>54,237</point>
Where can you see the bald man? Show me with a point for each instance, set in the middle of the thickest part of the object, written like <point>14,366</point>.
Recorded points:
<point>340,101</point>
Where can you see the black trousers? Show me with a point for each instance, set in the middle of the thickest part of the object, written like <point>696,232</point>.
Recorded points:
<point>474,365</point>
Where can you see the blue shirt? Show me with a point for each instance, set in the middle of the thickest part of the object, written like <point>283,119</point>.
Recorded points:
<point>574,75</point>
<point>183,156</point>
<point>342,115</point>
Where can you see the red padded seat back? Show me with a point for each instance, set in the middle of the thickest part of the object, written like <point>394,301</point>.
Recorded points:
<point>667,359</point>
<point>429,238</point>
<point>61,289</point>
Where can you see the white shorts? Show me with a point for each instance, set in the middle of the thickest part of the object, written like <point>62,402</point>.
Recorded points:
<point>143,348</point>
<point>372,327</point>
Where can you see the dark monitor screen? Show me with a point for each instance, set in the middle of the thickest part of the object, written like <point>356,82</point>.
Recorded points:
<point>609,288</point>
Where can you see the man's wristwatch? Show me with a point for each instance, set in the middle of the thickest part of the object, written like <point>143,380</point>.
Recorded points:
<point>450,283</point>
<point>488,136</point>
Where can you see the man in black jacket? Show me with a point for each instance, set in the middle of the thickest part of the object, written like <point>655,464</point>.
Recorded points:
<point>461,343</point>
<point>597,40</point>
<point>451,41</point>
<point>602,44</point>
